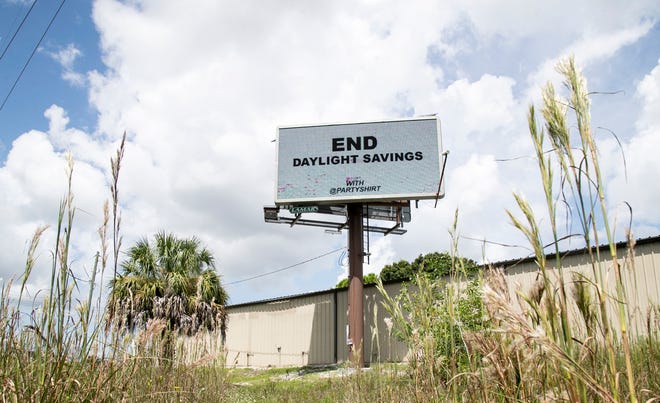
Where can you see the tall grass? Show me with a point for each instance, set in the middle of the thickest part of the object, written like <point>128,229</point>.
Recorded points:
<point>569,336</point>
<point>582,189</point>
<point>435,318</point>
<point>51,354</point>
<point>62,349</point>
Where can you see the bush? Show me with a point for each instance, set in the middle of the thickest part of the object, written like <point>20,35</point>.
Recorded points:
<point>433,318</point>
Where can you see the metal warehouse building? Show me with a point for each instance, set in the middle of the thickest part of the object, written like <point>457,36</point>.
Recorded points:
<point>311,329</point>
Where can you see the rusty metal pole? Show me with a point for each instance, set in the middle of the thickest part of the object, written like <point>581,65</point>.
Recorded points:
<point>355,286</point>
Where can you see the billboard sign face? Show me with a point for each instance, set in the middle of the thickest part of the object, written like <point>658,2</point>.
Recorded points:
<point>355,162</point>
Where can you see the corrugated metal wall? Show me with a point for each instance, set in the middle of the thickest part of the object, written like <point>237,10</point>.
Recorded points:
<point>307,330</point>
<point>640,276</point>
<point>311,329</point>
<point>286,332</point>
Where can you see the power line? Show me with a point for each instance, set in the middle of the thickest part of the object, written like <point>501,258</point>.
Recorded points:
<point>11,90</point>
<point>285,268</point>
<point>17,29</point>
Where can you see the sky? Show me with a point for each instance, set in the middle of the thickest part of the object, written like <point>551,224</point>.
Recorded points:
<point>201,87</point>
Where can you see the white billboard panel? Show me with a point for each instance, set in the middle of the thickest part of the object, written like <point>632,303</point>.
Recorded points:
<point>352,162</point>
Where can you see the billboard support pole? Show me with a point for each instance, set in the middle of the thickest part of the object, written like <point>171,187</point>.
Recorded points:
<point>355,287</point>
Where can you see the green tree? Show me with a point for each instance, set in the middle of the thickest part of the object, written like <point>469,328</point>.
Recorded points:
<point>434,265</point>
<point>173,280</point>
<point>401,270</point>
<point>370,278</point>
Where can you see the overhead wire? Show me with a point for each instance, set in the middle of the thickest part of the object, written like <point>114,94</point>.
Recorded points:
<point>285,268</point>
<point>11,90</point>
<point>17,30</point>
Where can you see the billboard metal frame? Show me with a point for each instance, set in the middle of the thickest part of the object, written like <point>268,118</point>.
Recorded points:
<point>397,212</point>
<point>354,210</point>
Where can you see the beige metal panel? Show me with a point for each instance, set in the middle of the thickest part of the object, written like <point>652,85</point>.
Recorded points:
<point>647,268</point>
<point>643,285</point>
<point>380,348</point>
<point>321,343</point>
<point>341,333</point>
<point>289,328</point>
<point>237,344</point>
<point>380,344</point>
<point>291,332</point>
<point>370,306</point>
<point>639,274</point>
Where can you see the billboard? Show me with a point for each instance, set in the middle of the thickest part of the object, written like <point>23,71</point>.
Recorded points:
<point>355,162</point>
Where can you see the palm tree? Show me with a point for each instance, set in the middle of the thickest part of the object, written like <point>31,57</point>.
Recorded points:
<point>172,280</point>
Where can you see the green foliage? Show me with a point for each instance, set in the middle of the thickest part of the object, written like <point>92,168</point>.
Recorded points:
<point>433,265</point>
<point>172,279</point>
<point>401,270</point>
<point>432,317</point>
<point>370,278</point>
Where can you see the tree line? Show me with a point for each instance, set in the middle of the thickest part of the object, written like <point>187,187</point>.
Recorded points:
<point>433,265</point>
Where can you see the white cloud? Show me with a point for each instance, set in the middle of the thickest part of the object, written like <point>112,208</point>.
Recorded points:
<point>34,180</point>
<point>475,108</point>
<point>66,58</point>
<point>514,20</point>
<point>592,47</point>
<point>640,184</point>
<point>649,91</point>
